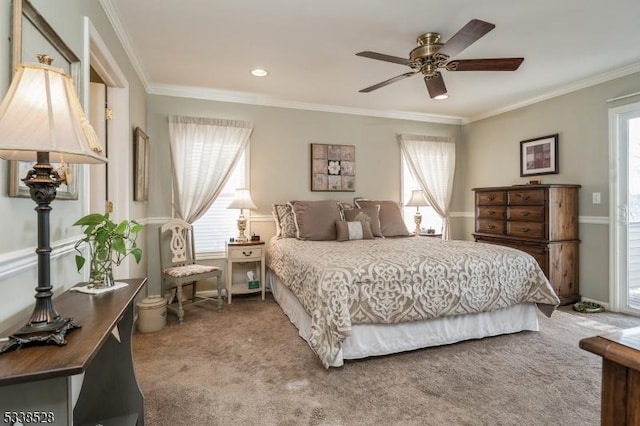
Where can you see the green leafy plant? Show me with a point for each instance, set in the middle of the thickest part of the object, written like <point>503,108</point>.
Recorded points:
<point>108,242</point>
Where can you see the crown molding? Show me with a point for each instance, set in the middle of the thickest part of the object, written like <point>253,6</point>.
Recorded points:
<point>114,18</point>
<point>252,99</point>
<point>563,90</point>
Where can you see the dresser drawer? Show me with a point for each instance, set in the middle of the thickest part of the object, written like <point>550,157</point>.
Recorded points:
<point>491,198</point>
<point>526,213</point>
<point>246,253</point>
<point>491,212</point>
<point>525,229</point>
<point>488,226</point>
<point>525,197</point>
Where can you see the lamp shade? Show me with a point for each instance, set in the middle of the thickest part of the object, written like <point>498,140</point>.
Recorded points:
<point>417,199</point>
<point>242,200</point>
<point>41,113</point>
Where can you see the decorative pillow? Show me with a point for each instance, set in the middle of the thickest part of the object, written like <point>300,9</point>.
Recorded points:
<point>371,212</point>
<point>285,222</point>
<point>353,230</point>
<point>391,221</point>
<point>345,206</point>
<point>316,220</point>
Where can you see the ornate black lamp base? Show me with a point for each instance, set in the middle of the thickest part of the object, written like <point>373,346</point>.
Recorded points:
<point>51,333</point>
<point>45,326</point>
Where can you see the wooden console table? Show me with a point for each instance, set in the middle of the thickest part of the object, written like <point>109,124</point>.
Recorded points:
<point>45,379</point>
<point>620,352</point>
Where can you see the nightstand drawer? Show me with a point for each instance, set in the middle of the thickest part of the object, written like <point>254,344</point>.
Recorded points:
<point>246,253</point>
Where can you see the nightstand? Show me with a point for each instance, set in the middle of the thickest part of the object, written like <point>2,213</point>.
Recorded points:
<point>424,234</point>
<point>251,251</point>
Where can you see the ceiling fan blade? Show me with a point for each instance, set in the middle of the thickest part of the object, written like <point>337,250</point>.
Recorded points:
<point>435,85</point>
<point>384,83</point>
<point>383,57</point>
<point>498,64</point>
<point>464,38</point>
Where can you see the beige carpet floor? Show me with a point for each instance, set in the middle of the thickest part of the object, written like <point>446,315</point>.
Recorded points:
<point>246,365</point>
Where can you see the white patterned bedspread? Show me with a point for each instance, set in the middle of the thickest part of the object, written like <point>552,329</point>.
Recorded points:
<point>401,279</point>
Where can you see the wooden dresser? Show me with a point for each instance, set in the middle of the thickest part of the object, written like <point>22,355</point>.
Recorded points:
<point>541,220</point>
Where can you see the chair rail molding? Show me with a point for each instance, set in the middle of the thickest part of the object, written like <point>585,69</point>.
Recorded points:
<point>19,261</point>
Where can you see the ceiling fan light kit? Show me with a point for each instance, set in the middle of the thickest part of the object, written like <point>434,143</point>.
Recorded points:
<point>431,56</point>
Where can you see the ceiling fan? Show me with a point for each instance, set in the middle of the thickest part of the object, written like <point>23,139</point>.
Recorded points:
<point>431,56</point>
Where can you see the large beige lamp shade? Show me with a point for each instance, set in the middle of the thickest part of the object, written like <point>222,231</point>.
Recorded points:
<point>41,113</point>
<point>41,120</point>
<point>242,200</point>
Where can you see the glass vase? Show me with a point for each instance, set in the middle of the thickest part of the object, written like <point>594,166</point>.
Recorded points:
<point>101,271</point>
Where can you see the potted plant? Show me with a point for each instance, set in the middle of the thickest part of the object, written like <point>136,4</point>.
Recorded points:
<point>109,243</point>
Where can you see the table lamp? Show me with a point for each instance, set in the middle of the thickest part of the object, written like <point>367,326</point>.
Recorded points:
<point>242,200</point>
<point>417,200</point>
<point>41,120</point>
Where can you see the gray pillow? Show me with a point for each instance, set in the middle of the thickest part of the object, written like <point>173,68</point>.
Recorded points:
<point>353,230</point>
<point>316,220</point>
<point>371,212</point>
<point>391,221</point>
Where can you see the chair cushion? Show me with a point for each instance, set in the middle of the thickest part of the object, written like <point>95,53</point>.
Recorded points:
<point>187,270</point>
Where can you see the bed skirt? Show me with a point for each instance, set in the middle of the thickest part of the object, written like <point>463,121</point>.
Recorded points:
<point>382,339</point>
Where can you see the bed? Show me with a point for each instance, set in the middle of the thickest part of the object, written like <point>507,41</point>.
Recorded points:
<point>367,297</point>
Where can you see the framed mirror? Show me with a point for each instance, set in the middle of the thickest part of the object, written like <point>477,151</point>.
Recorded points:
<point>31,35</point>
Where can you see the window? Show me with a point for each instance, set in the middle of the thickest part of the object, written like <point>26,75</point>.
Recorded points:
<point>430,219</point>
<point>219,223</point>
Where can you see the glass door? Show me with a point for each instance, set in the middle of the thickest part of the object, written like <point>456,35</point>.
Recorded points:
<point>626,209</point>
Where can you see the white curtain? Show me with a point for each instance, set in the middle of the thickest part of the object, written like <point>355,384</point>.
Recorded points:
<point>203,152</point>
<point>432,160</point>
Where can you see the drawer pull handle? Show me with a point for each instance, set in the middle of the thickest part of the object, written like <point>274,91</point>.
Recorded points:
<point>524,196</point>
<point>247,254</point>
<point>524,229</point>
<point>525,213</point>
<point>491,197</point>
<point>490,226</point>
<point>491,212</point>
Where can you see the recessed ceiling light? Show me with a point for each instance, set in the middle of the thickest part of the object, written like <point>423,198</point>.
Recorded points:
<point>441,97</point>
<point>259,72</point>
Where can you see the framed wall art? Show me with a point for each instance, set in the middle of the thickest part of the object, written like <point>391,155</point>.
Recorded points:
<point>539,156</point>
<point>333,167</point>
<point>32,35</point>
<point>141,165</point>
